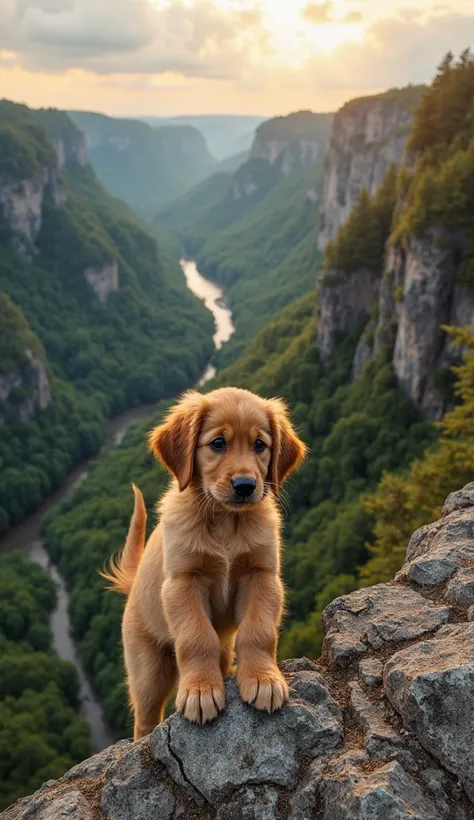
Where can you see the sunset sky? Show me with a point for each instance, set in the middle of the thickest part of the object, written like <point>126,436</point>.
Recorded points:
<point>163,57</point>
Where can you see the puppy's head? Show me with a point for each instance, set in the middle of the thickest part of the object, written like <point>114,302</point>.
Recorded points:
<point>232,444</point>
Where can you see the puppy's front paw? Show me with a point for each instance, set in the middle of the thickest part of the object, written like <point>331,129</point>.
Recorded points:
<point>201,702</point>
<point>266,689</point>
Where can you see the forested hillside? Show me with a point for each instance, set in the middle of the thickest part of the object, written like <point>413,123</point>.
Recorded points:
<point>89,289</point>
<point>254,230</point>
<point>143,165</point>
<point>350,400</point>
<point>41,734</point>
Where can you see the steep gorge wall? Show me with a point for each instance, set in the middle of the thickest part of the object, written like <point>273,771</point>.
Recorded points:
<point>380,727</point>
<point>368,136</point>
<point>24,191</point>
<point>282,146</point>
<point>24,384</point>
<point>400,306</point>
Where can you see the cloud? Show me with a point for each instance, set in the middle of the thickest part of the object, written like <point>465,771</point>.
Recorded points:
<point>320,13</point>
<point>317,13</point>
<point>182,48</point>
<point>129,36</point>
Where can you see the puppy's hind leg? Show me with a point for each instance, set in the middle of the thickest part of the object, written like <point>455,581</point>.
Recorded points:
<point>151,676</point>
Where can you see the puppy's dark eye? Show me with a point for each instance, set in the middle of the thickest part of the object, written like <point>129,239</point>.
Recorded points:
<point>259,446</point>
<point>218,444</point>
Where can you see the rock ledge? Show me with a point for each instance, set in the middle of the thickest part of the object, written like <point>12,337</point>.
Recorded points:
<point>381,728</point>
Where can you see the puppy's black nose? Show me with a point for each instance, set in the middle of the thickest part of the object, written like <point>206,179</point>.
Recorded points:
<point>243,485</point>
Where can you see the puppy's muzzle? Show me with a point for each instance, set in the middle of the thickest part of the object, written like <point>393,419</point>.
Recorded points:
<point>243,488</point>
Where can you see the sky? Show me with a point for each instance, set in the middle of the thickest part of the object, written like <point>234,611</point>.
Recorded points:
<point>267,57</point>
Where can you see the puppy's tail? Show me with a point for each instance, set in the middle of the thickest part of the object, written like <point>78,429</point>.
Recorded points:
<point>123,566</point>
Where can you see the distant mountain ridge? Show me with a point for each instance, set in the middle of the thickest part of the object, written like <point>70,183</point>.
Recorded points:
<point>225,134</point>
<point>142,165</point>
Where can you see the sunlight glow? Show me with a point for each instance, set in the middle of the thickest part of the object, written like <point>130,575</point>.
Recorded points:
<point>291,36</point>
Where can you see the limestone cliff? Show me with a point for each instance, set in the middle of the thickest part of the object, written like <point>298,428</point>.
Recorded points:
<point>22,200</point>
<point>282,146</point>
<point>103,280</point>
<point>418,295</point>
<point>24,383</point>
<point>292,142</point>
<point>380,727</point>
<point>368,136</point>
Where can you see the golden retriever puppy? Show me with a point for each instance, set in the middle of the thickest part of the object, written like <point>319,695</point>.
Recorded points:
<point>208,583</point>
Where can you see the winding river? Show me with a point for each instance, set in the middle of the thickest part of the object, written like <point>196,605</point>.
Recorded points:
<point>26,535</point>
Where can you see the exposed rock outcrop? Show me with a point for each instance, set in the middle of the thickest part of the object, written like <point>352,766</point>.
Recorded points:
<point>70,149</point>
<point>103,280</point>
<point>380,728</point>
<point>417,296</point>
<point>21,203</point>
<point>345,302</point>
<point>368,136</point>
<point>25,390</point>
<point>292,142</point>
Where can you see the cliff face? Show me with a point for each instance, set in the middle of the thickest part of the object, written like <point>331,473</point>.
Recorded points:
<point>282,146</point>
<point>418,295</point>
<point>24,390</point>
<point>368,136</point>
<point>292,142</point>
<point>24,384</point>
<point>417,263</point>
<point>103,280</point>
<point>380,727</point>
<point>21,202</point>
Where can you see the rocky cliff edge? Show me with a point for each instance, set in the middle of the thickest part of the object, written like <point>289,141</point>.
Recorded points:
<point>381,728</point>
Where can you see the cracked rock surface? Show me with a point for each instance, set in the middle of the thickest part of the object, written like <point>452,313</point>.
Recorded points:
<point>381,728</point>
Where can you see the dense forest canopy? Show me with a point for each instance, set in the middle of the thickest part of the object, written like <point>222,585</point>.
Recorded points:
<point>41,734</point>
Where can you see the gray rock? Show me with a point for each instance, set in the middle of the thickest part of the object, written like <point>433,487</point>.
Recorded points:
<point>431,571</point>
<point>66,805</point>
<point>299,665</point>
<point>438,550</point>
<point>470,613</point>
<point>245,747</point>
<point>460,590</point>
<point>371,672</point>
<point>388,793</point>
<point>431,685</point>
<point>96,765</point>
<point>259,803</point>
<point>377,617</point>
<point>460,500</point>
<point>415,545</point>
<point>307,796</point>
<point>133,791</point>
<point>377,731</point>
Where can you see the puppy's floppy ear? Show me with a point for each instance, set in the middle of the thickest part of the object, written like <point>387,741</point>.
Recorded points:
<point>174,441</point>
<point>288,451</point>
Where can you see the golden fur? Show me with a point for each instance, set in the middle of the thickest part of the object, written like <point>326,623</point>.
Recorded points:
<point>208,583</point>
